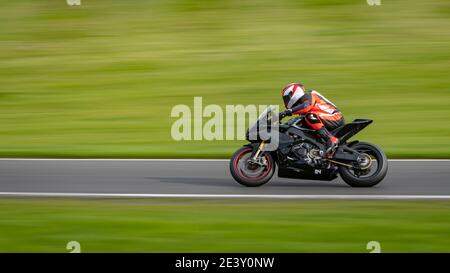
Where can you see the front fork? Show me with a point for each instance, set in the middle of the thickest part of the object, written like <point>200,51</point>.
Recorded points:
<point>257,158</point>
<point>259,150</point>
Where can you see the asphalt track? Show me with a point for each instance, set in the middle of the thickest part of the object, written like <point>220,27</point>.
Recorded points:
<point>406,179</point>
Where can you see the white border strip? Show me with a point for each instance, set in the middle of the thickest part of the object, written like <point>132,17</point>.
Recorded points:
<point>178,160</point>
<point>225,196</point>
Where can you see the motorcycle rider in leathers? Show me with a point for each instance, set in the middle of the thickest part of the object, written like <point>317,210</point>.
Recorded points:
<point>320,114</point>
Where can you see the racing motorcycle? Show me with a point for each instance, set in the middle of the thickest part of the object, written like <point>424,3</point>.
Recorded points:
<point>299,154</point>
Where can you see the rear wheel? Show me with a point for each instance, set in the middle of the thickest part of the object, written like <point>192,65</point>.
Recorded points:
<point>250,174</point>
<point>372,167</point>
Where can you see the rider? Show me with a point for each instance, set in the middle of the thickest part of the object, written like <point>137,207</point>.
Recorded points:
<point>320,114</point>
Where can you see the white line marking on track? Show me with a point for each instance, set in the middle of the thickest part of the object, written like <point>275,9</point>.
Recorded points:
<point>225,196</point>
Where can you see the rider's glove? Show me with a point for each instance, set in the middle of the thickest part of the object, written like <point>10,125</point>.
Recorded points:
<point>288,112</point>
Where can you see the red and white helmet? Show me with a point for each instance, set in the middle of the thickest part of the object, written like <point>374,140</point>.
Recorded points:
<point>292,93</point>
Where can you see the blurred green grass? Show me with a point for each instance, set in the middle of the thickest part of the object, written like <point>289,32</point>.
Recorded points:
<point>183,225</point>
<point>100,80</point>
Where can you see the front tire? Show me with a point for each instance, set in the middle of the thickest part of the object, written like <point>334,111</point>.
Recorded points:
<point>364,178</point>
<point>250,177</point>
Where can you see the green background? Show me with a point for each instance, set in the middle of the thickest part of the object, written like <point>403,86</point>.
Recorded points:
<point>100,79</point>
<point>183,225</point>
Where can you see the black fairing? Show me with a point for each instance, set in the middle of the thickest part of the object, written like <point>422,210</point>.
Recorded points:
<point>345,132</point>
<point>307,172</point>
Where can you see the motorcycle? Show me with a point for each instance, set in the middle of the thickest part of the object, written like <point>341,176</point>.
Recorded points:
<point>300,154</point>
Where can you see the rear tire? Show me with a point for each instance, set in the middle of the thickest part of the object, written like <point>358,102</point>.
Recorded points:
<point>238,169</point>
<point>378,175</point>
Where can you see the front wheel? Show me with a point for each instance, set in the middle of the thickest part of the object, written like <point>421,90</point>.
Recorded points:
<point>373,167</point>
<point>248,173</point>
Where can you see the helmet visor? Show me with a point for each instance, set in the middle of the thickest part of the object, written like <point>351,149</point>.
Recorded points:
<point>286,99</point>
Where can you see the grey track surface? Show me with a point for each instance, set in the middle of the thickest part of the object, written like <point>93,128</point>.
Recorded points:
<point>202,177</point>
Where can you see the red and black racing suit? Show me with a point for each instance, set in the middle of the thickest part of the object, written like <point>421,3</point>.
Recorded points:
<point>320,114</point>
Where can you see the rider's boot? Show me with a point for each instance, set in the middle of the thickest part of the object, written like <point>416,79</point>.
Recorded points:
<point>331,142</point>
